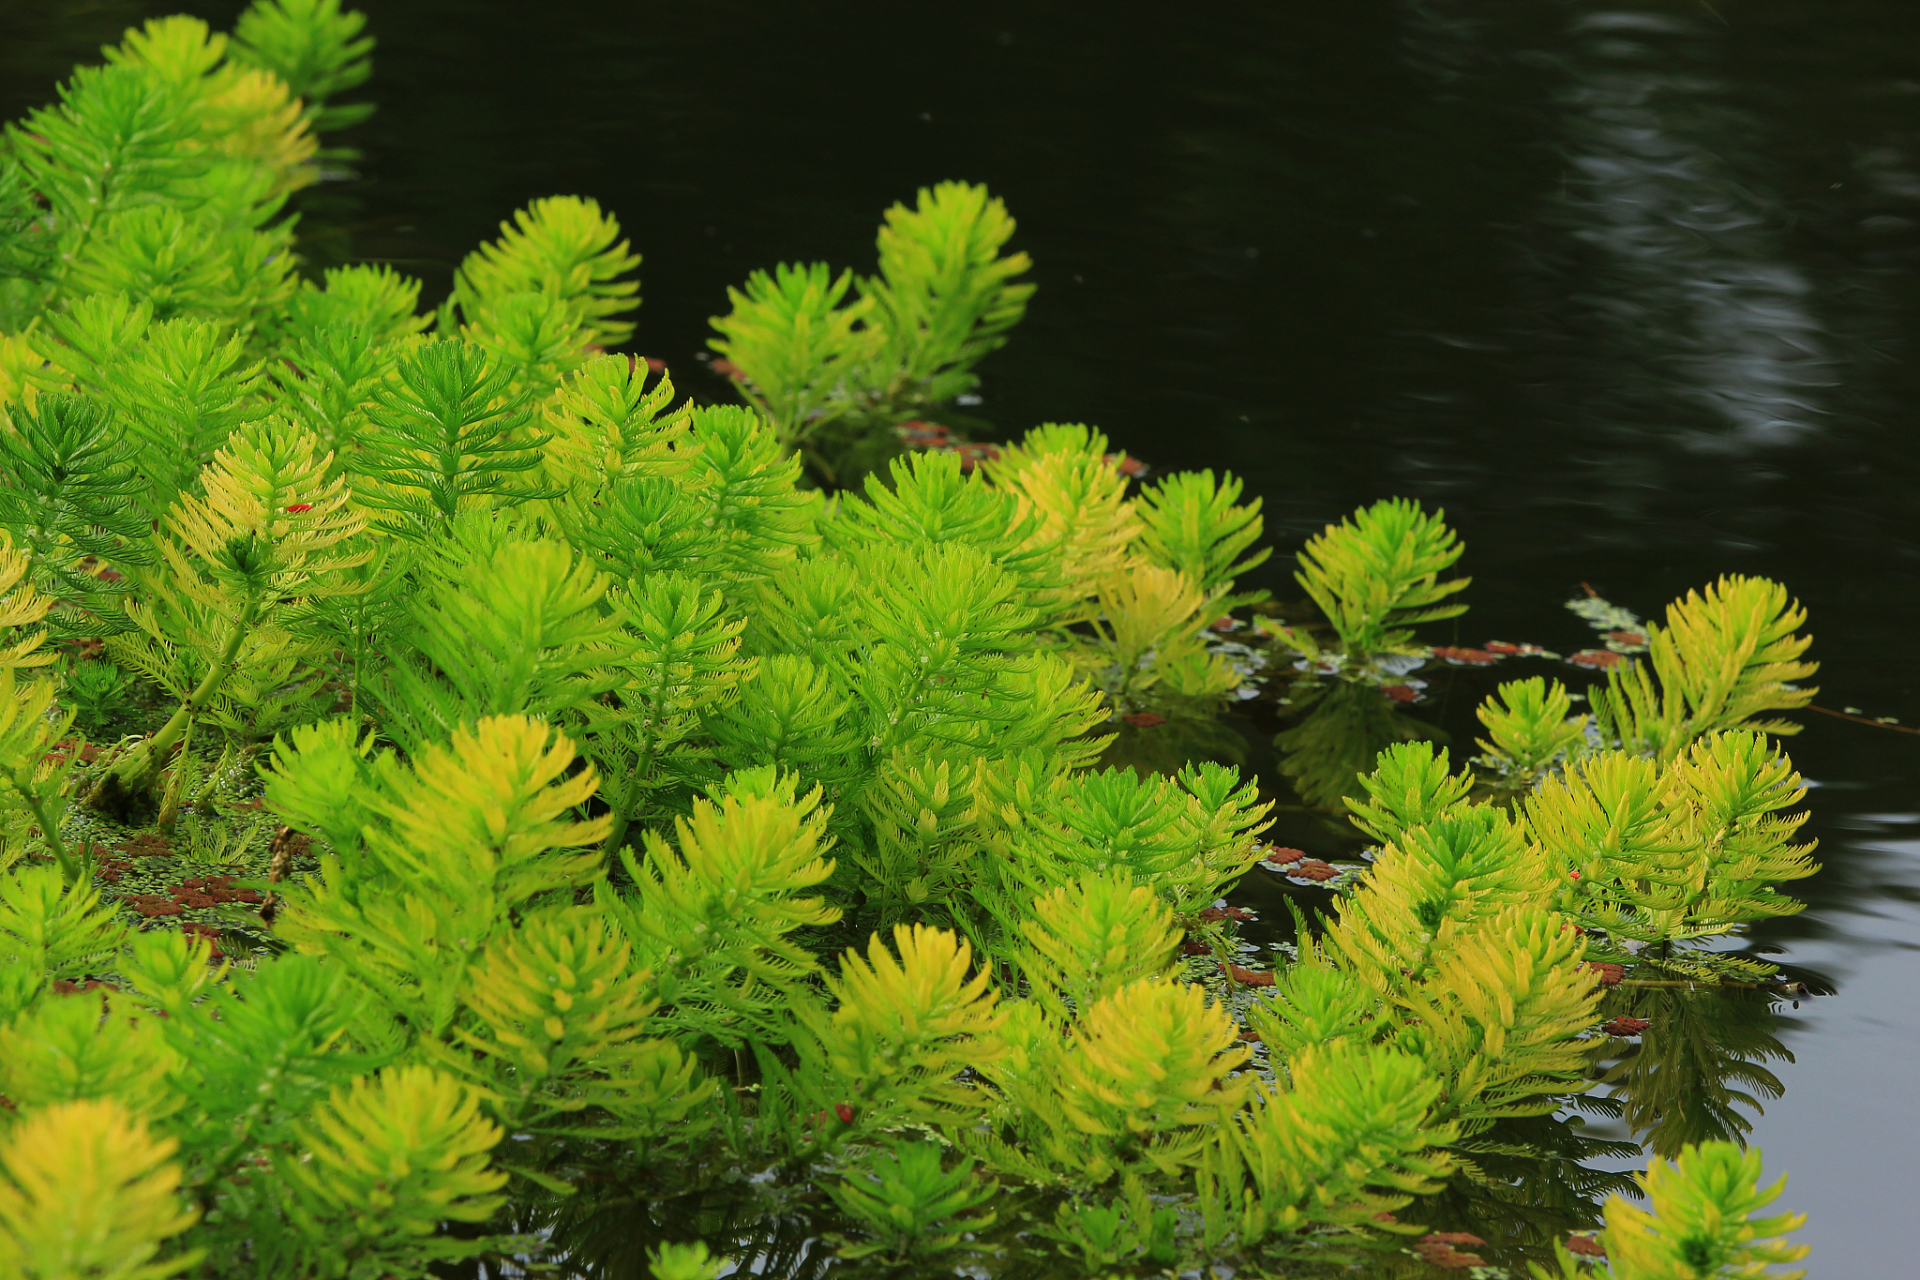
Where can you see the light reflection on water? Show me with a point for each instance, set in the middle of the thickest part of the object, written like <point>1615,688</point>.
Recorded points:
<point>1697,270</point>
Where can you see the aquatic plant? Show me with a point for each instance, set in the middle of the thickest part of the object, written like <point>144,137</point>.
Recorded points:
<point>646,807</point>
<point>1699,1221</point>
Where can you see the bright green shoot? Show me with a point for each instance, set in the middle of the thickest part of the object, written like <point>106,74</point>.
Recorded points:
<point>1377,574</point>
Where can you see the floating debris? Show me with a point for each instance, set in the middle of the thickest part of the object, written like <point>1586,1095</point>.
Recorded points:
<point>1436,1249</point>
<point>1465,657</point>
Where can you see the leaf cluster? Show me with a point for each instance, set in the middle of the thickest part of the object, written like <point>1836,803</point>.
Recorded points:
<point>943,299</point>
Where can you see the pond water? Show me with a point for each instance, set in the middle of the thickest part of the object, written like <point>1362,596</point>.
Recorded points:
<point>1629,289</point>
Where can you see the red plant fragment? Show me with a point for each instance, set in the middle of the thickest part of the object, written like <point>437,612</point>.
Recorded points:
<point>1196,949</point>
<point>1250,977</point>
<point>210,932</point>
<point>1437,1250</point>
<point>1314,869</point>
<point>1625,1026</point>
<point>1502,649</point>
<point>1465,657</point>
<point>1282,855</point>
<point>1586,1246</point>
<point>1594,659</point>
<point>1401,692</point>
<point>975,453</point>
<point>61,750</point>
<point>1610,974</point>
<point>148,844</point>
<point>1626,637</point>
<point>68,987</point>
<point>918,432</point>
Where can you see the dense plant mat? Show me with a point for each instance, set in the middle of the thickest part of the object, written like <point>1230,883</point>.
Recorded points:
<point>462,803</point>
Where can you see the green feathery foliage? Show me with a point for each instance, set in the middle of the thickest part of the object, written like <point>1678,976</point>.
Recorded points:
<point>67,481</point>
<point>1722,659</point>
<point>910,1207</point>
<point>1346,1139</point>
<point>52,930</point>
<point>1194,525</point>
<point>944,297</point>
<point>1530,728</point>
<point>559,1010</point>
<point>799,350</point>
<point>182,387</point>
<point>683,823</point>
<point>1699,1223</point>
<point>316,48</point>
<point>562,248</point>
<point>430,860</point>
<point>34,775</point>
<point>1088,939</point>
<point>87,1190</point>
<point>391,1159</point>
<point>1141,1082</point>
<point>445,431</point>
<point>1410,786</point>
<point>1184,838</point>
<point>271,528</point>
<point>608,425</point>
<point>899,1030</point>
<point>685,1262</point>
<point>712,919</point>
<point>1665,855</point>
<point>1377,574</point>
<point>510,629</point>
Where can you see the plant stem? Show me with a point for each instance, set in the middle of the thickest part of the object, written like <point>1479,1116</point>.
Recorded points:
<point>630,793</point>
<point>70,871</point>
<point>142,766</point>
<point>170,804</point>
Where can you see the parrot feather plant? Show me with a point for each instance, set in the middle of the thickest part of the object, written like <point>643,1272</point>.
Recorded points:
<point>652,824</point>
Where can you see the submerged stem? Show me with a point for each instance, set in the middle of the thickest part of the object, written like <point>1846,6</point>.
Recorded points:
<point>141,768</point>
<point>70,871</point>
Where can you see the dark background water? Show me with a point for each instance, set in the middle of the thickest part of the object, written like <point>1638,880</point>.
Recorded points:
<point>1630,289</point>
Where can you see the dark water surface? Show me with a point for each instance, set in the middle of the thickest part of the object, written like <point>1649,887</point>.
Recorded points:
<point>1630,289</point>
